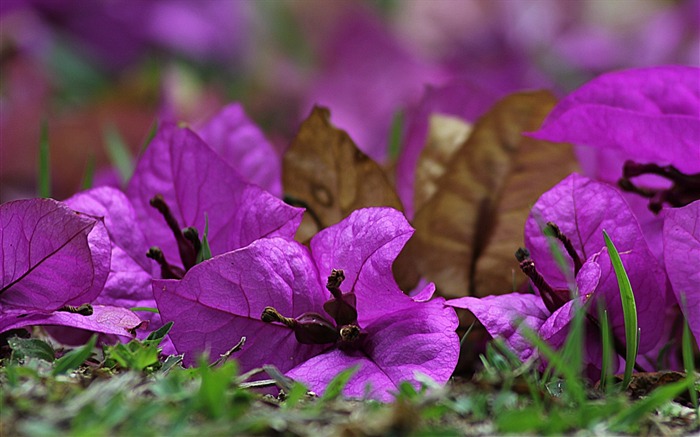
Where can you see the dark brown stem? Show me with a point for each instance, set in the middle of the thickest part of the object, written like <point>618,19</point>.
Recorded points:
<point>568,245</point>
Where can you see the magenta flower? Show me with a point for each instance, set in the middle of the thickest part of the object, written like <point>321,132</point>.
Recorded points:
<point>55,262</point>
<point>180,185</point>
<point>272,293</point>
<point>577,211</point>
<point>244,147</point>
<point>640,129</point>
<point>682,257</point>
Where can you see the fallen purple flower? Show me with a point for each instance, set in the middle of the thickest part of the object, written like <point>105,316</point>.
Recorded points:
<point>577,210</point>
<point>365,319</point>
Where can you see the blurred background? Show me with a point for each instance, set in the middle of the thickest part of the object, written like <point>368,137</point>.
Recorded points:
<point>99,73</point>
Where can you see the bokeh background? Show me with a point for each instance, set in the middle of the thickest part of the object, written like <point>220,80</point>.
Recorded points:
<point>102,71</point>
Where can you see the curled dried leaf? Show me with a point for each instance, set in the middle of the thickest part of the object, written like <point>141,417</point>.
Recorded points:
<point>325,171</point>
<point>467,231</point>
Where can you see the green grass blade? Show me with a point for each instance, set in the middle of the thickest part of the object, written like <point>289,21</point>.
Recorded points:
<point>573,380</point>
<point>629,310</point>
<point>89,174</point>
<point>608,349</point>
<point>689,362</point>
<point>572,351</point>
<point>637,411</point>
<point>118,153</point>
<point>337,385</point>
<point>146,309</point>
<point>44,177</point>
<point>161,332</point>
<point>396,134</point>
<point>149,137</point>
<point>73,359</point>
<point>205,251</point>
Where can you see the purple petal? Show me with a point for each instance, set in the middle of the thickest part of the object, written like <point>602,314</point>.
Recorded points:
<point>424,294</point>
<point>195,181</point>
<point>581,208</point>
<point>588,278</point>
<point>51,255</point>
<point>682,256</point>
<point>364,245</point>
<point>634,111</point>
<point>556,328</point>
<point>421,339</point>
<point>500,316</point>
<point>104,320</point>
<point>129,281</point>
<point>244,147</point>
<point>459,98</point>
<point>221,300</point>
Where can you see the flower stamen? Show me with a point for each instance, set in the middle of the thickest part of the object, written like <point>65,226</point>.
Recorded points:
<point>553,299</point>
<point>167,271</point>
<point>187,250</point>
<point>684,190</point>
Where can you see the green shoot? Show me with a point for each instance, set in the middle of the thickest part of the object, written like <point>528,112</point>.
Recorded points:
<point>573,380</point>
<point>73,359</point>
<point>629,311</point>
<point>689,362</point>
<point>118,152</point>
<point>572,350</point>
<point>396,133</point>
<point>337,385</point>
<point>638,410</point>
<point>149,137</point>
<point>295,395</point>
<point>205,251</point>
<point>138,355</point>
<point>89,175</point>
<point>606,372</point>
<point>146,309</point>
<point>44,181</point>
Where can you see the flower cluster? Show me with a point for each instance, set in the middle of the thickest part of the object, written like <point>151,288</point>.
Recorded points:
<point>628,125</point>
<point>192,236</point>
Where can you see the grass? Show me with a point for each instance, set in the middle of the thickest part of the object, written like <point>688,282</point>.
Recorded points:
<point>106,395</point>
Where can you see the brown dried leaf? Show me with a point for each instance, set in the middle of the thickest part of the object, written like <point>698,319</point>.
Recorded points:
<point>445,136</point>
<point>324,169</point>
<point>467,232</point>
